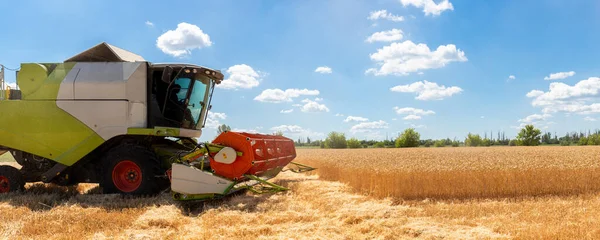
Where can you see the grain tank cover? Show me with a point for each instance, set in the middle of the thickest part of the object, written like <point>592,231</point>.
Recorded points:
<point>105,52</point>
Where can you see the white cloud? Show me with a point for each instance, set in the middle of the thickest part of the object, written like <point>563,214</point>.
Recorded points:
<point>559,75</point>
<point>482,117</point>
<point>288,128</point>
<point>296,131</point>
<point>385,36</point>
<point>313,106</point>
<point>323,70</point>
<point>538,120</point>
<point>534,93</point>
<point>339,115</point>
<point>240,76</point>
<point>412,117</point>
<point>383,14</point>
<point>277,95</point>
<point>420,73</point>
<point>418,126</point>
<point>394,119</point>
<point>368,126</point>
<point>533,118</point>
<point>213,119</point>
<point>510,78</point>
<point>589,119</point>
<point>406,57</point>
<point>413,111</point>
<point>318,99</point>
<point>429,6</point>
<point>287,111</point>
<point>245,130</point>
<point>355,119</point>
<point>183,40</point>
<point>427,90</point>
<point>149,24</point>
<point>581,98</point>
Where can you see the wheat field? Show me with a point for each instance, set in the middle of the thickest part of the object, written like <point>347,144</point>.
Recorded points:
<point>329,204</point>
<point>449,173</point>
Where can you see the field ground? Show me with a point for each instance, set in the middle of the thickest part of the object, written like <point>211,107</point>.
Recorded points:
<point>315,208</point>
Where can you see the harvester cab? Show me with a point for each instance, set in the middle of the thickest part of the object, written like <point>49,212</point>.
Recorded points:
<point>108,116</point>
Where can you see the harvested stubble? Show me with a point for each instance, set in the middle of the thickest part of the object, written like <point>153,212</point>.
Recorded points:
<point>445,173</point>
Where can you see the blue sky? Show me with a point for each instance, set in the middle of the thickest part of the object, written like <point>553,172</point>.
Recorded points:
<point>443,67</point>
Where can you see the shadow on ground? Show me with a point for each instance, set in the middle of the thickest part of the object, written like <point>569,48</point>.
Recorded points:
<point>45,197</point>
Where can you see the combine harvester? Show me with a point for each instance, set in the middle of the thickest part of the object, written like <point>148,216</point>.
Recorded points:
<point>108,116</point>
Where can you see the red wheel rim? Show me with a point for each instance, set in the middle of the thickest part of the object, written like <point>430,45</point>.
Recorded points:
<point>4,184</point>
<point>127,176</point>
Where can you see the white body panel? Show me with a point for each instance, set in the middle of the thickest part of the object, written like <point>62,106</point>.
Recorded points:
<point>190,180</point>
<point>226,155</point>
<point>106,118</point>
<point>108,97</point>
<point>67,87</point>
<point>190,133</point>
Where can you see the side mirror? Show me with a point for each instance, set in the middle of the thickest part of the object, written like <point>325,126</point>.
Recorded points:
<point>209,107</point>
<point>167,73</point>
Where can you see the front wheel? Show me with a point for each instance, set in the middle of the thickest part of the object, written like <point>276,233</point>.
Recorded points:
<point>11,180</point>
<point>132,170</point>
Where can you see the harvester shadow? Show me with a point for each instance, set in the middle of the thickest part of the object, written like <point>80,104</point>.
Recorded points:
<point>45,197</point>
<point>240,201</point>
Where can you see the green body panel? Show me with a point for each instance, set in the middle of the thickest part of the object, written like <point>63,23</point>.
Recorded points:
<point>35,85</point>
<point>38,126</point>
<point>158,131</point>
<point>30,78</point>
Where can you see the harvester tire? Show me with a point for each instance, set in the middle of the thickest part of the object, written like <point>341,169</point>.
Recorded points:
<point>132,170</point>
<point>11,179</point>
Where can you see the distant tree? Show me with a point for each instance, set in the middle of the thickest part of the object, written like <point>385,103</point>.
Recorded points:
<point>512,142</point>
<point>223,128</point>
<point>439,143</point>
<point>409,138</point>
<point>547,138</point>
<point>455,143</point>
<point>529,136</point>
<point>582,141</point>
<point>308,140</point>
<point>594,139</point>
<point>335,140</point>
<point>280,133</point>
<point>379,145</point>
<point>473,140</point>
<point>354,143</point>
<point>428,143</point>
<point>486,142</point>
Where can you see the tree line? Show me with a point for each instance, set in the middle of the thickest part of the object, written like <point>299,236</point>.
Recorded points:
<point>527,136</point>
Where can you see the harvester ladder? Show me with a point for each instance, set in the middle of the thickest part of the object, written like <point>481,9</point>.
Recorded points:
<point>2,84</point>
<point>4,88</point>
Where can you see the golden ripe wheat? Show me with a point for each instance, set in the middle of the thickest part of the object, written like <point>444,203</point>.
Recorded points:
<point>444,173</point>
